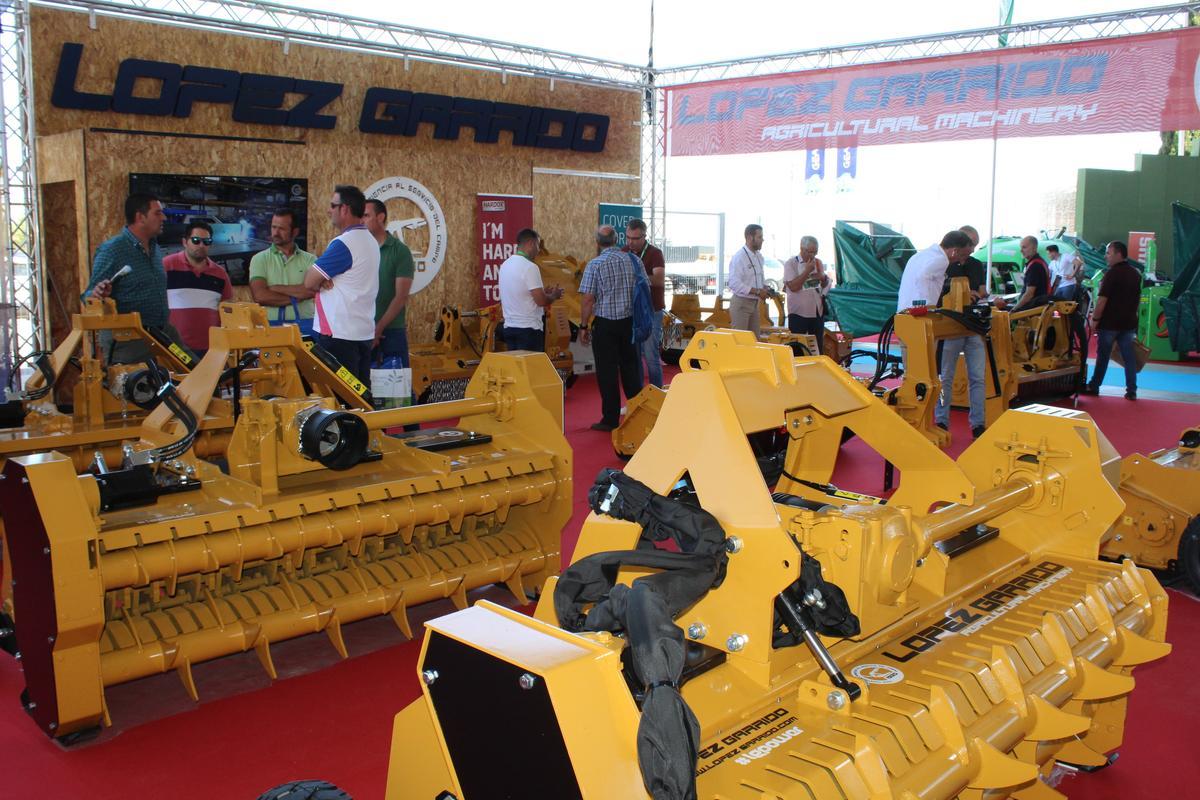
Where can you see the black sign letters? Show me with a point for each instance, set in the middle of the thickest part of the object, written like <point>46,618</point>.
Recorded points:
<point>262,99</point>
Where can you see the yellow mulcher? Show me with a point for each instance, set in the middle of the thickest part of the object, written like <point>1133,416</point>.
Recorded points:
<point>162,561</point>
<point>954,641</point>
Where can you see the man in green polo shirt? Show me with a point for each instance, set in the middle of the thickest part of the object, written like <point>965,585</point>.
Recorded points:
<point>277,274</point>
<point>396,271</point>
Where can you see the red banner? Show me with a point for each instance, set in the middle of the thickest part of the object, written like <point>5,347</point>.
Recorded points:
<point>500,217</point>
<point>1149,82</point>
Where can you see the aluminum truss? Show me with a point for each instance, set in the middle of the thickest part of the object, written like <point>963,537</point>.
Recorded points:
<point>22,302</point>
<point>1026,34</point>
<point>326,29</point>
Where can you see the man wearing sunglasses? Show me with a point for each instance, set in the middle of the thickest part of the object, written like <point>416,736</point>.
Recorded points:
<point>346,280</point>
<point>196,287</point>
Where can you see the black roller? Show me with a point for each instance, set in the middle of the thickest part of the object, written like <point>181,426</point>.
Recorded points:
<point>335,439</point>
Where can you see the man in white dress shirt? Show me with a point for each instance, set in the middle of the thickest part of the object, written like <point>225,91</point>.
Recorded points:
<point>925,272</point>
<point>746,282</point>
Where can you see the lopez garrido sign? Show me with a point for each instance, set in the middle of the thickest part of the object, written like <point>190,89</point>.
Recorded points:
<point>263,100</point>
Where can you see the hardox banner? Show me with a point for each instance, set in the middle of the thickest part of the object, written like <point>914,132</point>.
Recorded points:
<point>500,217</point>
<point>1149,82</point>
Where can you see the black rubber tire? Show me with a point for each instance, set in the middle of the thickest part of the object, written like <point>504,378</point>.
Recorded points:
<point>305,790</point>
<point>1189,554</point>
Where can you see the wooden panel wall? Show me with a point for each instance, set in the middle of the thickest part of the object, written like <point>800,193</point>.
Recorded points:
<point>455,171</point>
<point>565,211</point>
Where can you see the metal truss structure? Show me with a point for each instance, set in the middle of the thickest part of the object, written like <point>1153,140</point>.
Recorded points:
<point>22,298</point>
<point>1026,34</point>
<point>22,279</point>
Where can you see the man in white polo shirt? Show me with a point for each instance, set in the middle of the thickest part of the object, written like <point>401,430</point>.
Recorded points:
<point>522,296</point>
<point>346,279</point>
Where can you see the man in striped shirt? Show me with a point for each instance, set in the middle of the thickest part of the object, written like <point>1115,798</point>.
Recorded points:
<point>196,287</point>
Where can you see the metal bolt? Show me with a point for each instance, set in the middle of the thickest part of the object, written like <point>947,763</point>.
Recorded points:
<point>733,544</point>
<point>981,528</point>
<point>736,641</point>
<point>527,681</point>
<point>813,598</point>
<point>920,562</point>
<point>45,551</point>
<point>429,676</point>
<point>50,640</point>
<point>1120,538</point>
<point>808,420</point>
<point>53,726</point>
<point>32,705</point>
<point>836,700</point>
<point>697,631</point>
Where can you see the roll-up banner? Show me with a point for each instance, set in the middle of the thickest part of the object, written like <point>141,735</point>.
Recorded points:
<point>499,218</point>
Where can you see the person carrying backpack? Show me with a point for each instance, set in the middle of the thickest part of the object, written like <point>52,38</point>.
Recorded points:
<point>614,285</point>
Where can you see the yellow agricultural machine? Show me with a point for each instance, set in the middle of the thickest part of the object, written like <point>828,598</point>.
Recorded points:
<point>162,561</point>
<point>715,639</point>
<point>76,375</point>
<point>1162,498</point>
<point>248,358</point>
<point>441,370</point>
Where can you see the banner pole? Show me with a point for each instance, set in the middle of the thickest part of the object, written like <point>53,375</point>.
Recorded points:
<point>992,216</point>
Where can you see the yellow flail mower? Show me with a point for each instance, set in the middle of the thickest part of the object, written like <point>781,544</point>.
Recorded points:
<point>112,403</point>
<point>717,639</point>
<point>317,519</point>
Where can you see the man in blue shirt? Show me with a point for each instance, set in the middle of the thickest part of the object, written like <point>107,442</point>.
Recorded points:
<point>607,290</point>
<point>144,288</point>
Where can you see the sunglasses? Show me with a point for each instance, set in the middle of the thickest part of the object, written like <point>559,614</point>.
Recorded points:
<point>201,240</point>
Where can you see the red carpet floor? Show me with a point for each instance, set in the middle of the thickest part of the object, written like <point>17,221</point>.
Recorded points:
<point>332,719</point>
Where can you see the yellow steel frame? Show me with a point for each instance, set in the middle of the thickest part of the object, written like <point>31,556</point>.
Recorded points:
<point>981,666</point>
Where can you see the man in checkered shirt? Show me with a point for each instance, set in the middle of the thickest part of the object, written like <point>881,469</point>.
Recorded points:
<point>606,293</point>
<point>144,289</point>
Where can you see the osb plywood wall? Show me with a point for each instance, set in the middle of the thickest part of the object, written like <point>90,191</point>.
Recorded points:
<point>564,209</point>
<point>454,171</point>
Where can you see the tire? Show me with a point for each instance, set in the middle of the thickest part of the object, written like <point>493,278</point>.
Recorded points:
<point>1189,554</point>
<point>305,790</point>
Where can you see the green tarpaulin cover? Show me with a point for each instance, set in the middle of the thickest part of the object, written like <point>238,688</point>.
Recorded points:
<point>869,258</point>
<point>1182,308</point>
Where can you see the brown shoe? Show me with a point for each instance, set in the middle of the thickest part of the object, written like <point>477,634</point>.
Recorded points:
<point>603,427</point>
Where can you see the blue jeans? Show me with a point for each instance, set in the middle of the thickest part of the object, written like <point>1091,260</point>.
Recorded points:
<point>393,344</point>
<point>652,350</point>
<point>1104,345</point>
<point>1065,292</point>
<point>524,339</point>
<point>354,356</point>
<point>976,363</point>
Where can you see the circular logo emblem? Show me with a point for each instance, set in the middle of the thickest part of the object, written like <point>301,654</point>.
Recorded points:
<point>877,673</point>
<point>414,217</point>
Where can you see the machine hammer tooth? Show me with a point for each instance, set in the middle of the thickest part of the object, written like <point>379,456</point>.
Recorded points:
<point>1100,684</point>
<point>995,770</point>
<point>1051,723</point>
<point>1137,649</point>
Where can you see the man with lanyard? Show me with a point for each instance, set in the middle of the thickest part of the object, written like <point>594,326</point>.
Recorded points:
<point>746,282</point>
<point>346,280</point>
<point>277,274</point>
<point>523,297</point>
<point>607,290</point>
<point>807,283</point>
<point>1037,276</point>
<point>972,347</point>
<point>652,258</point>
